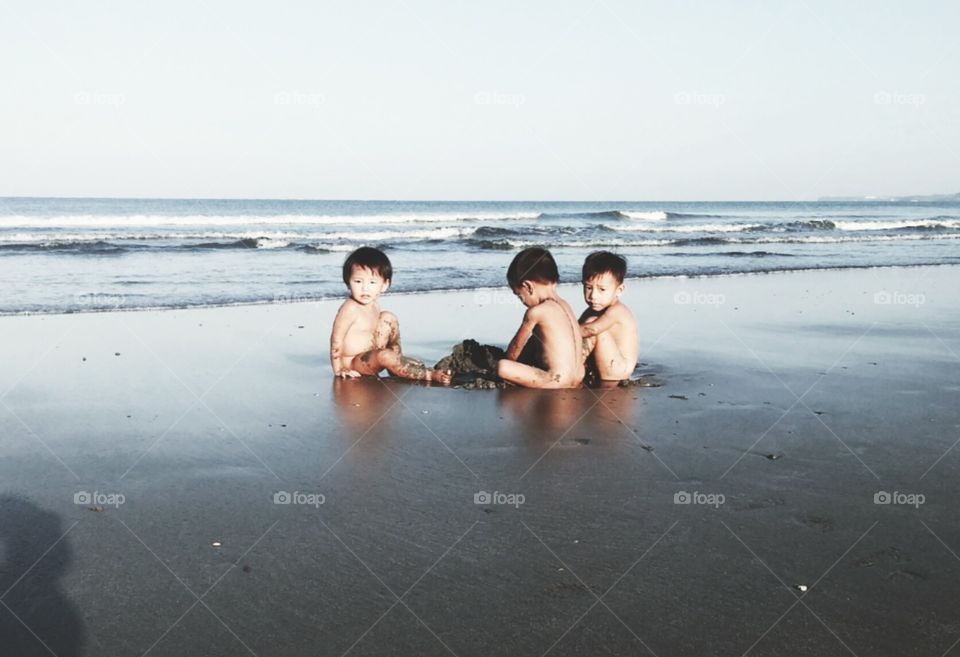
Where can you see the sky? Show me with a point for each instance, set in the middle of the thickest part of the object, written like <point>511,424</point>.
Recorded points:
<point>430,99</point>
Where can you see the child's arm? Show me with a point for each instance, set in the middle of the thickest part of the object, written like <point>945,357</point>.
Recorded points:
<point>519,341</point>
<point>340,326</point>
<point>602,323</point>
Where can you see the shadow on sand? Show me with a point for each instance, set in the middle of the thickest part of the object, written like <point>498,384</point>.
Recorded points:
<point>36,618</point>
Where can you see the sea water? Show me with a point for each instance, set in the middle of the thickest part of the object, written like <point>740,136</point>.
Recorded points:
<point>70,255</point>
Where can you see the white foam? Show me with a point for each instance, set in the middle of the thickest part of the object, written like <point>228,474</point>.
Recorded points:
<point>894,225</point>
<point>805,239</point>
<point>693,228</point>
<point>817,239</point>
<point>267,243</point>
<point>141,221</point>
<point>437,233</point>
<point>334,247</point>
<point>656,215</point>
<point>522,244</point>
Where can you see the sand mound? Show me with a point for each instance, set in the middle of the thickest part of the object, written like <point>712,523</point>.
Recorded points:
<point>473,365</point>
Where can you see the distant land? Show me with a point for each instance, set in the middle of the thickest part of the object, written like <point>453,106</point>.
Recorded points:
<point>930,198</point>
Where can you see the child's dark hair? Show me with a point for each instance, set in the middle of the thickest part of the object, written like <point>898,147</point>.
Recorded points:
<point>533,264</point>
<point>370,258</point>
<point>602,262</point>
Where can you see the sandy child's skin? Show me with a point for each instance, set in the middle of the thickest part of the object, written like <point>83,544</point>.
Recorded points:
<point>365,341</point>
<point>550,320</point>
<point>609,329</point>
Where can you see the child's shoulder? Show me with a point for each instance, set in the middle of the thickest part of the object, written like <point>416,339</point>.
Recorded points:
<point>621,311</point>
<point>349,307</point>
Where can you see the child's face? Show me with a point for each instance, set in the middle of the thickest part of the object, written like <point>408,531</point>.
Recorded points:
<point>602,291</point>
<point>366,285</point>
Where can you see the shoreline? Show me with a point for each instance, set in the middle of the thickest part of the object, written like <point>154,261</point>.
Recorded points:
<point>304,299</point>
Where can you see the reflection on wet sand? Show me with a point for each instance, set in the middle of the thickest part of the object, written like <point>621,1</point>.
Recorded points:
<point>547,414</point>
<point>616,404</point>
<point>370,412</point>
<point>362,404</point>
<point>36,618</point>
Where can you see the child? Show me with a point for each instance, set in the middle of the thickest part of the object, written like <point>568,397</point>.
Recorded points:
<point>549,320</point>
<point>608,327</point>
<point>365,341</point>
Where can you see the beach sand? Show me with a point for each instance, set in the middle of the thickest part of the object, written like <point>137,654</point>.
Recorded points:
<point>787,402</point>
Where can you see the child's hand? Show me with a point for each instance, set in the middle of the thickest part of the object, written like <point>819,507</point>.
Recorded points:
<point>348,374</point>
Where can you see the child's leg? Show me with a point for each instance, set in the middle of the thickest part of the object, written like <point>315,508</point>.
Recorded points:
<point>387,333</point>
<point>387,355</point>
<point>589,344</point>
<point>372,362</point>
<point>608,360</point>
<point>527,376</point>
<point>611,364</point>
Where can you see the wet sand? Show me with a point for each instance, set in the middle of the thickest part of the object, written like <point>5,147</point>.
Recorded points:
<point>787,403</point>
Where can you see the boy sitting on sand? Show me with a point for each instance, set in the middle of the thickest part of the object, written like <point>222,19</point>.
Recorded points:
<point>365,341</point>
<point>533,277</point>
<point>608,327</point>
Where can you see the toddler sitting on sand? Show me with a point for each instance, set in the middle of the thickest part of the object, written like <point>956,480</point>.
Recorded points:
<point>549,320</point>
<point>608,327</point>
<point>364,340</point>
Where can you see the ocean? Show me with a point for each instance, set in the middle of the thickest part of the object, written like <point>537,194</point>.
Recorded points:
<point>62,255</point>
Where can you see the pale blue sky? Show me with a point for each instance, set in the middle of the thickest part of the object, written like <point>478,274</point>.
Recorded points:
<point>430,99</point>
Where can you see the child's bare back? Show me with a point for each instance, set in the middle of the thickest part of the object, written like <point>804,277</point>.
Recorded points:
<point>559,333</point>
<point>549,319</point>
